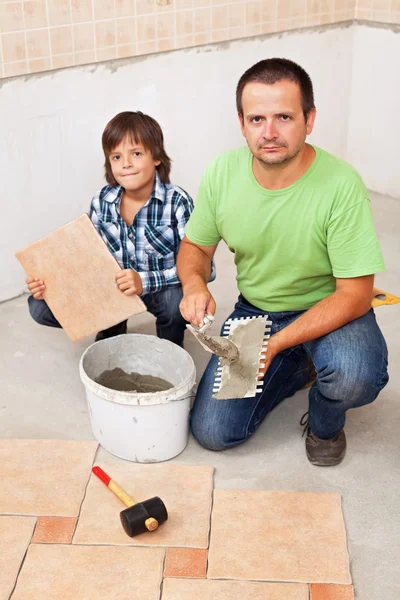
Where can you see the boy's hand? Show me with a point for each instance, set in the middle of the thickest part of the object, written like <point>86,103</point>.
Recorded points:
<point>36,287</point>
<point>129,282</point>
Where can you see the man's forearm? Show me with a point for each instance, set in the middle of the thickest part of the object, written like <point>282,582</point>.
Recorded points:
<point>193,265</point>
<point>329,314</point>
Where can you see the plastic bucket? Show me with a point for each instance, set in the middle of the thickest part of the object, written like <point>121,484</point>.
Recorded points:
<point>140,427</point>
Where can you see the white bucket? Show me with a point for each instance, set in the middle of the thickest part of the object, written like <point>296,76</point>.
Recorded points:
<point>140,427</point>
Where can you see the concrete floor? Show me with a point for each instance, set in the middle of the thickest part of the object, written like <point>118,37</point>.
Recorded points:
<point>42,397</point>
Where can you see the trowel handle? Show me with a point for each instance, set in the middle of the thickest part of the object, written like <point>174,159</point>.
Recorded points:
<point>114,487</point>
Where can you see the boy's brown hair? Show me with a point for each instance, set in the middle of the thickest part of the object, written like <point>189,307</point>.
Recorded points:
<point>142,129</point>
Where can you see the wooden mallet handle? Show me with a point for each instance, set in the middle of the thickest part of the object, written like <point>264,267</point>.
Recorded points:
<point>151,524</point>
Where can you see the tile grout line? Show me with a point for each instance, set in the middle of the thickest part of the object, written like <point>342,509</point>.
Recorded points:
<point>86,487</point>
<point>162,573</point>
<point>210,521</point>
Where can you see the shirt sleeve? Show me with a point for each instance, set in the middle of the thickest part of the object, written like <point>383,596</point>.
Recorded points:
<point>202,226</point>
<point>156,281</point>
<point>353,246</point>
<point>94,211</point>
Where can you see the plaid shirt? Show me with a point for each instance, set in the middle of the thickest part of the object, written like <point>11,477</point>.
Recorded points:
<point>150,245</point>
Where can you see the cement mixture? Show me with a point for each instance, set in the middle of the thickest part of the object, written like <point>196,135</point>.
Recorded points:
<point>117,379</point>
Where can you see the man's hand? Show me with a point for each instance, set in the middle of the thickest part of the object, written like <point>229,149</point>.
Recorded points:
<point>129,282</point>
<point>36,287</point>
<point>273,349</point>
<point>196,302</point>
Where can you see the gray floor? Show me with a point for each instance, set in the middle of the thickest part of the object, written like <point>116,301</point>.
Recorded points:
<point>42,397</point>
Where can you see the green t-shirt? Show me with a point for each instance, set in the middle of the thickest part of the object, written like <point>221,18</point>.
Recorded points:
<point>289,244</point>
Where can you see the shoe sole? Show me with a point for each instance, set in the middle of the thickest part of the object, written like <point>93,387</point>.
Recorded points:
<point>327,462</point>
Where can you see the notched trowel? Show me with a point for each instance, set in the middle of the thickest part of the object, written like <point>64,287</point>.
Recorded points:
<point>241,350</point>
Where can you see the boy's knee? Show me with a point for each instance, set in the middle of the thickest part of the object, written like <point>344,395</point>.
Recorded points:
<point>36,309</point>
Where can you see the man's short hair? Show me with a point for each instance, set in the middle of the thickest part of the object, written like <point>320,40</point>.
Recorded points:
<point>143,130</point>
<point>272,70</point>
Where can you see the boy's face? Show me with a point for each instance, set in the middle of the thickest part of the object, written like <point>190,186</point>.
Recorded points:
<point>132,165</point>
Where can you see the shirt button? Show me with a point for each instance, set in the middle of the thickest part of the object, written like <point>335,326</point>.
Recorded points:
<point>130,235</point>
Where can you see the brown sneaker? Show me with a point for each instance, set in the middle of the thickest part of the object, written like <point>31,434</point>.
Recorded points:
<point>323,453</point>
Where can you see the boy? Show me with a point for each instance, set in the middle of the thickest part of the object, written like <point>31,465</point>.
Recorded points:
<point>141,216</point>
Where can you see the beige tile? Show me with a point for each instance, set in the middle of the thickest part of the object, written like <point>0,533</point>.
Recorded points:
<point>331,592</point>
<point>278,536</point>
<point>270,27</point>
<point>201,3</point>
<point>164,45</point>
<point>394,17</point>
<point>253,13</point>
<point>268,11</point>
<point>145,7</point>
<point>104,9</point>
<point>146,47</point>
<point>37,43</point>
<point>84,58</point>
<point>63,60</point>
<point>203,589</point>
<point>219,35</point>
<point>124,8</point>
<point>236,33</point>
<point>165,25</point>
<point>185,490</point>
<point>105,33</point>
<point>284,9</point>
<point>61,40</point>
<point>299,22</point>
<point>299,8</point>
<point>38,65</point>
<point>184,22</point>
<point>340,4</point>
<point>381,16</point>
<point>184,41</point>
<point>237,15</point>
<point>202,38</point>
<point>202,20</point>
<point>91,302</point>
<point>54,530</point>
<point>16,68</point>
<point>125,31</point>
<point>35,14</point>
<point>126,51</point>
<point>106,53</point>
<point>183,4</point>
<point>82,10</point>
<point>59,12</point>
<point>93,573</point>
<point>220,17</point>
<point>83,35</point>
<point>13,47</point>
<point>44,477</point>
<point>11,17</point>
<point>146,28</point>
<point>15,535</point>
<point>395,6</point>
<point>251,30</point>
<point>186,562</point>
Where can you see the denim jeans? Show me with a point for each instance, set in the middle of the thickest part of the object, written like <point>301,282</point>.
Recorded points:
<point>351,366</point>
<point>164,305</point>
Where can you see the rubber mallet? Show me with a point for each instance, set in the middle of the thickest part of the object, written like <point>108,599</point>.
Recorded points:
<point>139,517</point>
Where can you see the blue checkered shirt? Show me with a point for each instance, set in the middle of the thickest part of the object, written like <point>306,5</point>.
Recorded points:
<point>150,245</point>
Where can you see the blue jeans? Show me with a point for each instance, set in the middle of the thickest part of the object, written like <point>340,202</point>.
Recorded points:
<point>164,305</point>
<point>351,366</point>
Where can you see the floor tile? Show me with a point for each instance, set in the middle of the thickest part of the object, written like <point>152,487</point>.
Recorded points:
<point>15,535</point>
<point>205,589</point>
<point>44,477</point>
<point>185,490</point>
<point>90,573</point>
<point>331,592</point>
<point>186,562</point>
<point>54,530</point>
<point>91,301</point>
<point>278,536</point>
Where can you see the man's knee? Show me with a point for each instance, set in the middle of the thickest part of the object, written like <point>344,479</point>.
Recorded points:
<point>207,434</point>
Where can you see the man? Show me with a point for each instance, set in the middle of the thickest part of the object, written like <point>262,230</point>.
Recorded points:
<point>299,223</point>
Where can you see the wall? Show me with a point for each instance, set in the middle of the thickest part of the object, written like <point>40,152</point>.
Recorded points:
<point>52,123</point>
<point>374,122</point>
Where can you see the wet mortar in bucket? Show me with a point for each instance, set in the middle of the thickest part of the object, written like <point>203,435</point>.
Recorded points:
<point>117,379</point>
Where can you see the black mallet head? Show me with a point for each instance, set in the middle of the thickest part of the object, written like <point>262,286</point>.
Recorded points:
<point>134,519</point>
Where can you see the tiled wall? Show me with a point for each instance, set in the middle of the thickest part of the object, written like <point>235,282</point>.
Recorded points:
<point>38,35</point>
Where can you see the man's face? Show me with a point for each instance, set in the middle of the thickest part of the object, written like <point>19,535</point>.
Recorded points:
<point>273,122</point>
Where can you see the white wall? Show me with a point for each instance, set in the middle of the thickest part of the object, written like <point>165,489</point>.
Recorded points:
<point>374,115</point>
<point>51,124</point>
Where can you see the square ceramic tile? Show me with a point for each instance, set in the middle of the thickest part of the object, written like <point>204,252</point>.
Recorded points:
<point>54,530</point>
<point>278,536</point>
<point>203,589</point>
<point>44,477</point>
<point>186,562</point>
<point>15,535</point>
<point>331,592</point>
<point>90,573</point>
<point>185,490</point>
<point>92,301</point>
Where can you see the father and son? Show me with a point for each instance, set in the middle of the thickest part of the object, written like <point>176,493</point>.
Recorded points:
<point>299,223</point>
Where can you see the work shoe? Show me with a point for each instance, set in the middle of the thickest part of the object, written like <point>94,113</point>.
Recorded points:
<point>118,329</point>
<point>324,453</point>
